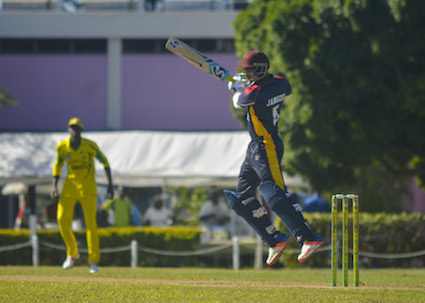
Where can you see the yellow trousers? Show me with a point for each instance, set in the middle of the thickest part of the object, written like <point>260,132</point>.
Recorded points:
<point>85,193</point>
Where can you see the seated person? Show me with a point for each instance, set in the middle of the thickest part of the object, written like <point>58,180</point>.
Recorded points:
<point>158,214</point>
<point>215,214</point>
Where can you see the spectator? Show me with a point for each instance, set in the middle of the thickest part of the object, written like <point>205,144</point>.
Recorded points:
<point>154,5</point>
<point>72,6</point>
<point>121,206</point>
<point>158,214</point>
<point>316,204</point>
<point>214,213</point>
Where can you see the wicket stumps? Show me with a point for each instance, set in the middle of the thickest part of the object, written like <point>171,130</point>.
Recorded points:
<point>345,199</point>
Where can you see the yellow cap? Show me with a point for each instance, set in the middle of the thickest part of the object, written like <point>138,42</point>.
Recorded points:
<point>76,121</point>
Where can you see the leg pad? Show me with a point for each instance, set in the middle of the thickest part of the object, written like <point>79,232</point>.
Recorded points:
<point>251,211</point>
<point>292,218</point>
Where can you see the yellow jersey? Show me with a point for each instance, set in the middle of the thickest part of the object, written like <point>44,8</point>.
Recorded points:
<point>80,161</point>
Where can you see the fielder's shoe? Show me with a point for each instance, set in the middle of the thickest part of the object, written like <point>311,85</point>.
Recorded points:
<point>309,247</point>
<point>69,261</point>
<point>275,252</point>
<point>93,268</point>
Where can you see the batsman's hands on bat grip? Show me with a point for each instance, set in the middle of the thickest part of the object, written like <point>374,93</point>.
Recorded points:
<point>238,85</point>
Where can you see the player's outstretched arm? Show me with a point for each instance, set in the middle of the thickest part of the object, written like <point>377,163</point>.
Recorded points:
<point>110,191</point>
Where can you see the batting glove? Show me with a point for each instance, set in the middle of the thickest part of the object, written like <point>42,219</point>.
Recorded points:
<point>238,85</point>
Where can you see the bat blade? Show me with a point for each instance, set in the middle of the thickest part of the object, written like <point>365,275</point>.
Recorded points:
<point>198,59</point>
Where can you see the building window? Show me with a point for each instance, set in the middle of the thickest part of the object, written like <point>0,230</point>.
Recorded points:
<point>53,46</point>
<point>99,46</point>
<point>90,46</point>
<point>17,46</point>
<point>141,46</point>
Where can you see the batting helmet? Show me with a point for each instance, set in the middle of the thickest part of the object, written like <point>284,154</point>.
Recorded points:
<point>258,61</point>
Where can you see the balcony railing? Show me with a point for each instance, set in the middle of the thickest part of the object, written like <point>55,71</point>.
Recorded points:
<point>123,5</point>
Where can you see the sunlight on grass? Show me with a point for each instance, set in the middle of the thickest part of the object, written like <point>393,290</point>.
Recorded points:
<point>112,284</point>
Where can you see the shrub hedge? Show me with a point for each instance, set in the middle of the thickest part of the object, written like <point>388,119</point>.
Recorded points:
<point>379,233</point>
<point>170,238</point>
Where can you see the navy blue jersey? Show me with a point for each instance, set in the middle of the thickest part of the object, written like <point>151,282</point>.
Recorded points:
<point>264,99</point>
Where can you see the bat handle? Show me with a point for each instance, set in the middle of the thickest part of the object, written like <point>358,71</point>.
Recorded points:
<point>230,79</point>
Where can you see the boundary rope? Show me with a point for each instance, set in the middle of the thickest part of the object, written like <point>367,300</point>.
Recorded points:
<point>185,253</point>
<point>15,246</point>
<point>391,256</point>
<point>84,250</point>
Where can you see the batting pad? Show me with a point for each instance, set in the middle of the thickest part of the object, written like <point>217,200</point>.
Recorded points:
<point>280,204</point>
<point>260,224</point>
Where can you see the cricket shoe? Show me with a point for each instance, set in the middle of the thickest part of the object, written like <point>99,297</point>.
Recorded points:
<point>309,247</point>
<point>275,252</point>
<point>69,261</point>
<point>93,269</point>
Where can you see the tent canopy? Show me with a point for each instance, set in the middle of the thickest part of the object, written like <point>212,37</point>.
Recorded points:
<point>137,158</point>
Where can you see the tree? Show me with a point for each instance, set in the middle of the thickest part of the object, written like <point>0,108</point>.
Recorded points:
<point>358,73</point>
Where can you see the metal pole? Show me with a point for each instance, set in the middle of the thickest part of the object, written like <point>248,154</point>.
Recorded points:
<point>259,254</point>
<point>32,218</point>
<point>134,253</point>
<point>236,254</point>
<point>35,251</point>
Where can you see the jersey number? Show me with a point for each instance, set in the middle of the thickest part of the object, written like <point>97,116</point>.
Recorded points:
<point>276,114</point>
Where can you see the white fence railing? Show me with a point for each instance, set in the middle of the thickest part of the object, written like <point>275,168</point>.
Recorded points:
<point>134,248</point>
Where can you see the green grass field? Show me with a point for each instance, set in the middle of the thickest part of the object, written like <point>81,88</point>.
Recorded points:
<point>118,284</point>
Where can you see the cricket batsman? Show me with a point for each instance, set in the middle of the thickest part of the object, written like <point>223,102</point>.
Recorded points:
<point>79,185</point>
<point>263,95</point>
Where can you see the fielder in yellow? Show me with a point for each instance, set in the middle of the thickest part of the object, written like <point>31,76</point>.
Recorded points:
<point>79,185</point>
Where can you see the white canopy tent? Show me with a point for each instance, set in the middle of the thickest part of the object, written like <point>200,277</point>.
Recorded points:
<point>137,158</point>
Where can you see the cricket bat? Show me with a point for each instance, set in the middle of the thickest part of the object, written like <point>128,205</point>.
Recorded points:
<point>198,59</point>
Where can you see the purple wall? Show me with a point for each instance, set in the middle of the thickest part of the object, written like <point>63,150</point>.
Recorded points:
<point>51,89</point>
<point>159,92</point>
